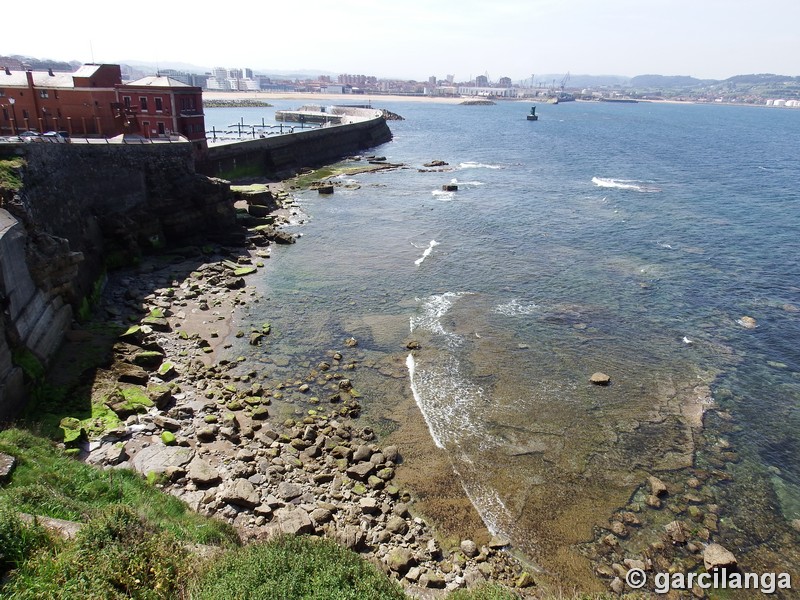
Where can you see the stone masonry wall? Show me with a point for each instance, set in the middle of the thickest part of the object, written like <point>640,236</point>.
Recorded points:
<point>81,207</point>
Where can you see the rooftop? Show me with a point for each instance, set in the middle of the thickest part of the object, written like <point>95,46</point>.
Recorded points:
<point>160,81</point>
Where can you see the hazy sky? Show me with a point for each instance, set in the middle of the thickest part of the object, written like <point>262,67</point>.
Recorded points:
<point>414,39</point>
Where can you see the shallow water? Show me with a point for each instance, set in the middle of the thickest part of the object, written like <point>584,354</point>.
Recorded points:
<point>627,239</point>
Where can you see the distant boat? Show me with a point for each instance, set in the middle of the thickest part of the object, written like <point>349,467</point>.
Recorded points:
<point>533,116</point>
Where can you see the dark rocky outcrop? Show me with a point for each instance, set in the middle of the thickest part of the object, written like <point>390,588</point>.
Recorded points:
<point>81,209</point>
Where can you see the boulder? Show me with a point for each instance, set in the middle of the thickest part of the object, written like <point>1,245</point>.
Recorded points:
<point>716,556</point>
<point>432,580</point>
<point>400,560</point>
<point>600,378</point>
<point>7,464</point>
<point>288,490</point>
<point>294,521</point>
<point>361,471</point>
<point>748,322</point>
<point>202,473</point>
<point>657,487</point>
<point>242,493</point>
<point>158,458</point>
<point>321,515</point>
<point>397,525</point>
<point>128,373</point>
<point>351,537</point>
<point>362,453</point>
<point>676,531</point>
<point>469,548</point>
<point>369,506</point>
<point>499,541</point>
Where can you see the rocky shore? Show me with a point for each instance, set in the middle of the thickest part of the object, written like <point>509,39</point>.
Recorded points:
<point>208,428</point>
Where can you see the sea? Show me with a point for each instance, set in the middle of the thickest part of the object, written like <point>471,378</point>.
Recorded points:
<point>656,243</point>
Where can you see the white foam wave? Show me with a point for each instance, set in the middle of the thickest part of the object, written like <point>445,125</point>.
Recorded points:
<point>467,183</point>
<point>516,308</point>
<point>430,314</point>
<point>426,253</point>
<point>477,165</point>
<point>447,400</point>
<point>625,184</point>
<point>487,502</point>
<point>443,196</point>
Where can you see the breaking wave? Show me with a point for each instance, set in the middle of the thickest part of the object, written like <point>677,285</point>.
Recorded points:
<point>625,184</point>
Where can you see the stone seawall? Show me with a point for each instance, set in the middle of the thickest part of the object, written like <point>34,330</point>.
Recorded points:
<point>282,156</point>
<point>82,208</point>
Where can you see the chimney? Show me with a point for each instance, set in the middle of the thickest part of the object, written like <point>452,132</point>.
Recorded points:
<point>50,72</point>
<point>29,75</point>
<point>8,71</point>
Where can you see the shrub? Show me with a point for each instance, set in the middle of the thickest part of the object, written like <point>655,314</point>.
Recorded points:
<point>114,556</point>
<point>294,567</point>
<point>18,540</point>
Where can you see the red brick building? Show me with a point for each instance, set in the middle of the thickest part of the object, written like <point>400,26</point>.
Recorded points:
<point>78,102</point>
<point>93,101</point>
<point>162,106</point>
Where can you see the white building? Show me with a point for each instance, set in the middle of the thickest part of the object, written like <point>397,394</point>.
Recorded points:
<point>487,92</point>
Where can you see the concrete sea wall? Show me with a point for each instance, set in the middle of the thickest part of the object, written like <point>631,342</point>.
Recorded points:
<point>283,155</point>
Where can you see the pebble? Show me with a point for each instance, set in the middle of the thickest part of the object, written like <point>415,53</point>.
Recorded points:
<point>314,473</point>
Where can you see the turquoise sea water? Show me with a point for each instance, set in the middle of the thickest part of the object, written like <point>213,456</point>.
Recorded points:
<point>630,239</point>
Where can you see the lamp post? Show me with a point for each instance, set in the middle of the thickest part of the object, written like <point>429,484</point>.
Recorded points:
<point>12,101</point>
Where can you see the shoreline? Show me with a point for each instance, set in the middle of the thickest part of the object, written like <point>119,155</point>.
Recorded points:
<point>214,438</point>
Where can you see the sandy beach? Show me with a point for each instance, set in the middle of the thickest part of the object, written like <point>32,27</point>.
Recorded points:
<point>342,98</point>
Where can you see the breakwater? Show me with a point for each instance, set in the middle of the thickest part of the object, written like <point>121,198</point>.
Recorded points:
<point>283,155</point>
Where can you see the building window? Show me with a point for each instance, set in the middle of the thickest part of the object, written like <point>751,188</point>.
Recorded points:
<point>5,114</point>
<point>143,102</point>
<point>159,105</point>
<point>161,130</point>
<point>2,93</point>
<point>44,94</point>
<point>126,100</point>
<point>25,114</point>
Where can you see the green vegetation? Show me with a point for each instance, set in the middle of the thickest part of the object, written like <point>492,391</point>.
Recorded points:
<point>243,172</point>
<point>27,361</point>
<point>116,555</point>
<point>137,542</point>
<point>305,180</point>
<point>295,567</point>
<point>48,482</point>
<point>9,174</point>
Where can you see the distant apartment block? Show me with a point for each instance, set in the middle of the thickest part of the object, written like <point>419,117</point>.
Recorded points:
<point>233,80</point>
<point>497,92</point>
<point>357,80</point>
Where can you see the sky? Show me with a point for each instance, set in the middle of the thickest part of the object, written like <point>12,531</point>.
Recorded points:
<point>415,39</point>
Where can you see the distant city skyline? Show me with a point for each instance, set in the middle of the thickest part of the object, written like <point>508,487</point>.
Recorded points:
<point>710,39</point>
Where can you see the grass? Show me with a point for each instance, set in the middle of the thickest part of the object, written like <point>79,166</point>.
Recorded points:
<point>48,482</point>
<point>295,567</point>
<point>138,542</point>
<point>9,174</point>
<point>116,555</point>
